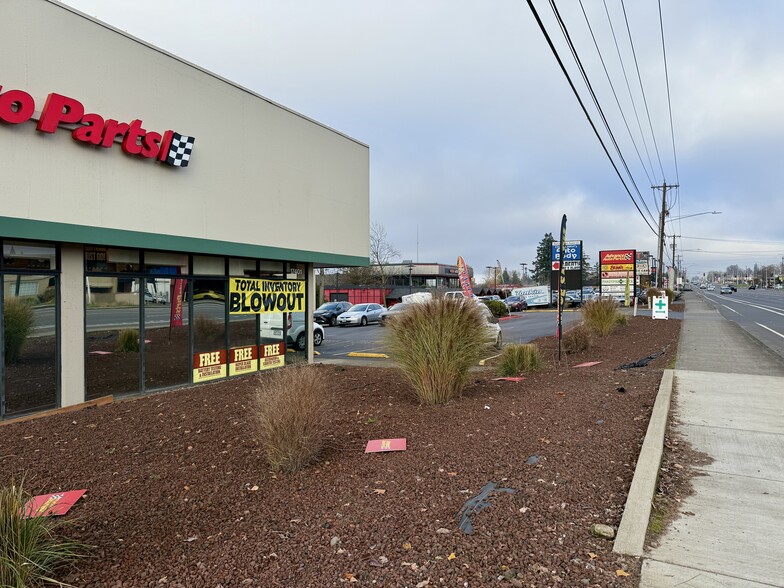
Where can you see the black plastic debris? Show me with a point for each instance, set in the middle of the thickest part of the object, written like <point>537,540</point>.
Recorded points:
<point>640,362</point>
<point>621,389</point>
<point>477,504</point>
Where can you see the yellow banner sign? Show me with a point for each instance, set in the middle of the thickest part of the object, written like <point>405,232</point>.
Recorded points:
<point>258,296</point>
<point>615,267</point>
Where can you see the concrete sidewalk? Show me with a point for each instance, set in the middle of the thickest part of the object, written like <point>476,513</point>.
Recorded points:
<point>729,400</point>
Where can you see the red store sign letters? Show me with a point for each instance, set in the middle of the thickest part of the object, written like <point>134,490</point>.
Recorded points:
<point>17,106</point>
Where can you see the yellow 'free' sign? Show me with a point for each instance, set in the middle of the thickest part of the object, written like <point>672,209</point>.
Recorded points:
<point>257,296</point>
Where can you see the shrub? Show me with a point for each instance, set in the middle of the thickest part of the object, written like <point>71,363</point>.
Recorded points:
<point>435,343</point>
<point>621,320</point>
<point>207,328</point>
<point>128,341</point>
<point>31,549</point>
<point>600,315</point>
<point>17,321</point>
<point>291,416</point>
<point>577,339</point>
<point>652,292</point>
<point>47,296</point>
<point>519,358</point>
<point>497,307</point>
<point>670,295</point>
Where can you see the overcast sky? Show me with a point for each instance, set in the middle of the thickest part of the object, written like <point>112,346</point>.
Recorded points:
<point>478,145</point>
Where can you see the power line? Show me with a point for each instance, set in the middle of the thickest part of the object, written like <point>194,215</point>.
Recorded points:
<point>585,111</point>
<point>612,87</point>
<point>733,240</point>
<point>598,106</point>
<point>669,102</point>
<point>642,89</point>
<point>628,87</point>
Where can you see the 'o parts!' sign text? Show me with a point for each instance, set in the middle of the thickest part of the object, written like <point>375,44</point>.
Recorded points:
<point>258,296</point>
<point>17,106</point>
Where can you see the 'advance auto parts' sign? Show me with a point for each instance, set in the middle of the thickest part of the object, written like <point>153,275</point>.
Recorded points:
<point>17,107</point>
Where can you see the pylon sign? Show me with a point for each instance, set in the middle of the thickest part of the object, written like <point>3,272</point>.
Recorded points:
<point>618,273</point>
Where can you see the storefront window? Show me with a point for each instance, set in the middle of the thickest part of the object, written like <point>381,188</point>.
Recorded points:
<point>30,331</point>
<point>242,267</point>
<point>112,346</point>
<point>110,260</point>
<point>210,359</point>
<point>209,265</point>
<point>166,342</point>
<point>165,263</point>
<point>271,269</point>
<point>24,255</point>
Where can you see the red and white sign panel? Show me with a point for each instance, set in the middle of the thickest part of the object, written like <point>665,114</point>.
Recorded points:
<point>382,445</point>
<point>587,364</point>
<point>48,505</point>
<point>616,256</point>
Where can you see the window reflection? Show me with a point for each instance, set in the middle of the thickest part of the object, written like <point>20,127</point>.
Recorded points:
<point>210,359</point>
<point>166,334</point>
<point>112,343</point>
<point>30,349</point>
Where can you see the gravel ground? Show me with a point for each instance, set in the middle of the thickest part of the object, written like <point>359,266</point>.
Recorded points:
<point>178,493</point>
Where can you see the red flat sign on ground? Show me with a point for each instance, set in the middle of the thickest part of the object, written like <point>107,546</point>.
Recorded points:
<point>380,445</point>
<point>587,364</point>
<point>52,504</point>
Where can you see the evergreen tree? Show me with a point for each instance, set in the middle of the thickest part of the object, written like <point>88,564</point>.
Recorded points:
<point>542,265</point>
<point>505,276</point>
<point>514,277</point>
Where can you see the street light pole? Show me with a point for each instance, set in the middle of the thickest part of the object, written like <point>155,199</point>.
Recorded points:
<point>410,265</point>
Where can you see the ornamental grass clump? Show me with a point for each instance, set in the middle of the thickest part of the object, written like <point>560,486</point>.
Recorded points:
<point>600,315</point>
<point>517,359</point>
<point>128,341</point>
<point>435,343</point>
<point>290,410</point>
<point>32,550</point>
<point>578,339</point>
<point>18,320</point>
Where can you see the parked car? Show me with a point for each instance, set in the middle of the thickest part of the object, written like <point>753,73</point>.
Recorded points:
<point>327,313</point>
<point>725,290</point>
<point>393,311</point>
<point>361,314</point>
<point>733,287</point>
<point>208,295</point>
<point>515,303</point>
<point>272,328</point>
<point>490,297</point>
<point>589,293</point>
<point>753,287</point>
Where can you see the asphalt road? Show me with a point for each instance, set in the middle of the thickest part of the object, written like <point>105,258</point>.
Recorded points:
<point>520,328</point>
<point>759,312</point>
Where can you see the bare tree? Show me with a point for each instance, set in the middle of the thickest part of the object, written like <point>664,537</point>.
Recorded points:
<point>382,251</point>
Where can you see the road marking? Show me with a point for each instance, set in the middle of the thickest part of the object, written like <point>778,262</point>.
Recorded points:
<point>771,330</point>
<point>732,309</point>
<point>755,306</point>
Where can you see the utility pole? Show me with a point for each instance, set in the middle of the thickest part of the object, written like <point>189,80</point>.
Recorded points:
<point>662,236</point>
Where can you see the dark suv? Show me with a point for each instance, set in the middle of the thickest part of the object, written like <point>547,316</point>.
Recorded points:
<point>327,313</point>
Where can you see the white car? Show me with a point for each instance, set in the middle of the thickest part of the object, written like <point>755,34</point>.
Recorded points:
<point>272,328</point>
<point>361,314</point>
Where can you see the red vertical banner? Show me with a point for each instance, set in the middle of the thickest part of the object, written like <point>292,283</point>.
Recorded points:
<point>465,280</point>
<point>177,290</point>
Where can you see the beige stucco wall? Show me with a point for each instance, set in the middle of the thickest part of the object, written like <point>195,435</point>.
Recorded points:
<point>72,325</point>
<point>259,174</point>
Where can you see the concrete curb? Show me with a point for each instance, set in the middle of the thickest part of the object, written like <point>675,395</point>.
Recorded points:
<point>630,539</point>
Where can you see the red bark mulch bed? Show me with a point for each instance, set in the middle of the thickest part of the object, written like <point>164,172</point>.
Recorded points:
<point>178,493</point>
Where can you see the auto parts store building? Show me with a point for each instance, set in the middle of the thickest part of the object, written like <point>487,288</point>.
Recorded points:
<point>153,216</point>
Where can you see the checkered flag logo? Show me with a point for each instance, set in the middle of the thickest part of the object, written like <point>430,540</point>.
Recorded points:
<point>180,150</point>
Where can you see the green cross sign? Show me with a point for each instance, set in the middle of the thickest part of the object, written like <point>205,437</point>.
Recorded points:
<point>660,304</point>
